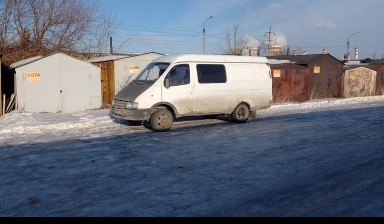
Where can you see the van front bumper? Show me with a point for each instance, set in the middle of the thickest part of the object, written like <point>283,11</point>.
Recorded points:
<point>132,115</point>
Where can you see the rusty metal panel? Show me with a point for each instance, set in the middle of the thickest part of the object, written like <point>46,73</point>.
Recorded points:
<point>359,82</point>
<point>325,80</point>
<point>290,83</point>
<point>379,68</point>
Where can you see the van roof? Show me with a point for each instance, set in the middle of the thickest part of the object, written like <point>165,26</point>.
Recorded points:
<point>210,58</point>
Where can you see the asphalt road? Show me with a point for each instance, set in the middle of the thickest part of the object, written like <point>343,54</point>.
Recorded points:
<point>315,164</point>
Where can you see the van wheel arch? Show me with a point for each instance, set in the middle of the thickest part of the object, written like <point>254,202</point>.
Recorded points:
<point>161,119</point>
<point>241,113</point>
<point>167,106</point>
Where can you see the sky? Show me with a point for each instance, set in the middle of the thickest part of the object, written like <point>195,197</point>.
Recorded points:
<point>176,26</point>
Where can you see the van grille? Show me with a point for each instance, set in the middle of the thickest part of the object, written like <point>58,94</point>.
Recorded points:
<point>118,104</point>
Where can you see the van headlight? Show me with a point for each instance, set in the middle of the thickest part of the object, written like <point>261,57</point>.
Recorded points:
<point>132,105</point>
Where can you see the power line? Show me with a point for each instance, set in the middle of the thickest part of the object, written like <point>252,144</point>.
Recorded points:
<point>270,33</point>
<point>155,32</point>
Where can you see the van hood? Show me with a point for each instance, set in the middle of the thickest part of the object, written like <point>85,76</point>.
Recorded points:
<point>132,90</point>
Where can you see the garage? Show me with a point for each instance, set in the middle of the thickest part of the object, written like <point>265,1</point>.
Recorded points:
<point>56,83</point>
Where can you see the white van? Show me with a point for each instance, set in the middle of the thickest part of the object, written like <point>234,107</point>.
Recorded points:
<point>176,86</point>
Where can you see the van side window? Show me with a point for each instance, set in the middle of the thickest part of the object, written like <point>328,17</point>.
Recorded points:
<point>212,73</point>
<point>179,75</point>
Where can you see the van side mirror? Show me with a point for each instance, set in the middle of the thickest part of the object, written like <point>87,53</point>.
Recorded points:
<point>166,83</point>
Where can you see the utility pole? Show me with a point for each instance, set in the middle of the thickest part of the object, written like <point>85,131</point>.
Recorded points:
<point>204,33</point>
<point>348,43</point>
<point>110,45</point>
<point>269,34</point>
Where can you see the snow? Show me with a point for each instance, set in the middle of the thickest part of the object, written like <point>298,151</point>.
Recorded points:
<point>276,61</point>
<point>91,123</point>
<point>25,61</point>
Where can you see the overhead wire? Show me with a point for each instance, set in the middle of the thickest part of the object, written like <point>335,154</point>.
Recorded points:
<point>168,36</point>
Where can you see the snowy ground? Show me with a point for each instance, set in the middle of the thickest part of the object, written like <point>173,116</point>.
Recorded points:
<point>320,158</point>
<point>20,128</point>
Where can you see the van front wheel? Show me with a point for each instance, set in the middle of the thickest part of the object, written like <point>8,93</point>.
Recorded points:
<point>161,120</point>
<point>241,113</point>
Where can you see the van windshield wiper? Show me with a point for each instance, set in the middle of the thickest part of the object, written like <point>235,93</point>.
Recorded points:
<point>140,82</point>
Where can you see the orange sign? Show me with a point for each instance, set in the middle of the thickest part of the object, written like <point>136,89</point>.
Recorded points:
<point>134,69</point>
<point>276,73</point>
<point>33,77</point>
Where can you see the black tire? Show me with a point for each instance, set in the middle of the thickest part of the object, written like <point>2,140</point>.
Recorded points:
<point>161,120</point>
<point>241,113</point>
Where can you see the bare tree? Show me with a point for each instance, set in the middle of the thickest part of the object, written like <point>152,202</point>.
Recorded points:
<point>4,22</point>
<point>102,28</point>
<point>30,27</point>
<point>234,43</point>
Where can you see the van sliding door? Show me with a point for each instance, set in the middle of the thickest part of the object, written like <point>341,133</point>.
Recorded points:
<point>211,89</point>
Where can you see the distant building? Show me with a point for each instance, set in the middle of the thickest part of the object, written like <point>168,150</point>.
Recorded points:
<point>276,49</point>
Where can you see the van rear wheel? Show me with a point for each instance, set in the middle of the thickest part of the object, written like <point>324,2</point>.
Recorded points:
<point>241,113</point>
<point>161,120</point>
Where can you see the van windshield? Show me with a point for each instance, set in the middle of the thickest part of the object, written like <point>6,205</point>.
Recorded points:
<point>152,71</point>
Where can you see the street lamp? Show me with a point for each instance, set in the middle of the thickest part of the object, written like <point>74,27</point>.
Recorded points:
<point>204,33</point>
<point>348,43</point>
